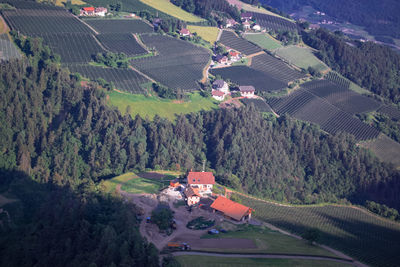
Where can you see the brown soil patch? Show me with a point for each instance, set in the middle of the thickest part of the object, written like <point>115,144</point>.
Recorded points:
<point>3,26</point>
<point>151,175</point>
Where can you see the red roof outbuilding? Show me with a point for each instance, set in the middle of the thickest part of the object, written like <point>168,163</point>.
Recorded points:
<point>200,178</point>
<point>231,208</point>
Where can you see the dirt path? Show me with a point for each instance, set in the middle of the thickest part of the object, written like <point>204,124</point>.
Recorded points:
<point>141,73</point>
<point>3,26</point>
<point>255,54</point>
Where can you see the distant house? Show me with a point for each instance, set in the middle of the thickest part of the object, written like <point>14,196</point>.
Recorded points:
<point>87,11</point>
<point>235,56</point>
<point>246,25</point>
<point>100,11</point>
<point>231,209</point>
<point>218,95</point>
<point>247,91</point>
<point>221,59</point>
<point>230,23</point>
<point>220,85</point>
<point>246,16</point>
<point>192,196</point>
<point>184,32</point>
<point>256,27</point>
<point>204,181</point>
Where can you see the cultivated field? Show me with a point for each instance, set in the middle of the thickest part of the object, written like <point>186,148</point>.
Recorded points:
<point>178,64</point>
<point>391,112</point>
<point>209,34</point>
<point>119,25</point>
<point>263,40</point>
<point>168,8</point>
<point>7,48</point>
<point>356,232</point>
<point>74,2</point>
<point>243,75</point>
<point>301,57</point>
<point>123,79</point>
<point>240,5</point>
<point>231,40</point>
<point>121,42</point>
<point>259,104</point>
<point>274,23</point>
<point>385,148</point>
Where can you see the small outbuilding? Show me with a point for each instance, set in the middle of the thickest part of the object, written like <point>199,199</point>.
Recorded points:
<point>192,196</point>
<point>256,27</point>
<point>184,32</point>
<point>230,23</point>
<point>231,209</point>
<point>218,95</point>
<point>247,91</point>
<point>246,25</point>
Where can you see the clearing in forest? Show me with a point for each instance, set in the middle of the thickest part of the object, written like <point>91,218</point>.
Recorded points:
<point>168,8</point>
<point>209,34</point>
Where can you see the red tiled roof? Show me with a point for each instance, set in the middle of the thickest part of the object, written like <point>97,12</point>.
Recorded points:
<point>88,9</point>
<point>217,93</point>
<point>190,191</point>
<point>184,31</point>
<point>234,53</point>
<point>230,208</point>
<point>201,178</point>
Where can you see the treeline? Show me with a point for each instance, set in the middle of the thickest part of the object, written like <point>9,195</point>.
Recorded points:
<point>372,66</point>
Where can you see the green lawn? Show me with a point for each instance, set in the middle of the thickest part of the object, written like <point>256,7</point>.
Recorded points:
<point>142,185</point>
<point>269,241</point>
<point>168,8</point>
<point>111,184</point>
<point>200,261</point>
<point>263,40</point>
<point>302,57</point>
<point>150,106</point>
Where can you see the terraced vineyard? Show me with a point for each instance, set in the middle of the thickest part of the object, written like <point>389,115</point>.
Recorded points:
<point>243,75</point>
<point>355,232</point>
<point>119,25</point>
<point>231,40</point>
<point>306,106</point>
<point>259,104</point>
<point>7,48</point>
<point>341,97</point>
<point>273,22</point>
<point>178,64</point>
<point>391,112</point>
<point>301,57</point>
<point>275,68</point>
<point>123,79</point>
<point>121,42</point>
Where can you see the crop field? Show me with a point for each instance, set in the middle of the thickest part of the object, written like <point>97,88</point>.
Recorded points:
<point>306,106</point>
<point>274,23</point>
<point>263,40</point>
<point>355,232</point>
<point>385,148</point>
<point>178,64</point>
<point>74,2</point>
<point>209,34</point>
<point>231,40</point>
<point>243,75</point>
<point>33,21</point>
<point>7,49</point>
<point>168,8</point>
<point>341,97</point>
<point>301,57</point>
<point>123,79</point>
<point>121,42</point>
<point>119,25</point>
<point>22,4</point>
<point>391,112</point>
<point>275,68</point>
<point>259,104</point>
<point>72,47</point>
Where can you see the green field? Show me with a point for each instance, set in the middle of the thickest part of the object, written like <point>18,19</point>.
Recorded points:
<point>302,57</point>
<point>172,10</point>
<point>150,106</point>
<point>200,261</point>
<point>209,34</point>
<point>111,184</point>
<point>263,40</point>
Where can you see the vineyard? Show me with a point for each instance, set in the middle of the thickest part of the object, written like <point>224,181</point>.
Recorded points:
<point>123,79</point>
<point>355,232</point>
<point>121,42</point>
<point>119,26</point>
<point>385,148</point>
<point>7,48</point>
<point>231,40</point>
<point>273,22</point>
<point>259,104</point>
<point>243,75</point>
<point>275,68</point>
<point>301,57</point>
<point>391,112</point>
<point>178,64</point>
<point>263,40</point>
<point>341,97</point>
<point>306,106</point>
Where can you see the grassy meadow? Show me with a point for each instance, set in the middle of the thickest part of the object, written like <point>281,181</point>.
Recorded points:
<point>302,57</point>
<point>263,40</point>
<point>209,34</point>
<point>168,8</point>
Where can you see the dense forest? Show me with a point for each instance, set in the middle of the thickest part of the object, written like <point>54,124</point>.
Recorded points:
<point>372,66</point>
<point>379,17</point>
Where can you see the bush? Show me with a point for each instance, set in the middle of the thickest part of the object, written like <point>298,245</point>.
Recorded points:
<point>200,223</point>
<point>162,216</point>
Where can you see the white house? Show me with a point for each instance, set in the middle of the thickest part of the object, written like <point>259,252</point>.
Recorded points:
<point>218,95</point>
<point>247,91</point>
<point>230,23</point>
<point>204,181</point>
<point>192,196</point>
<point>256,27</point>
<point>100,11</point>
<point>246,25</point>
<point>221,85</point>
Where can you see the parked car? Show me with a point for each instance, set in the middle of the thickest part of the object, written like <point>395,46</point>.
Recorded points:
<point>213,232</point>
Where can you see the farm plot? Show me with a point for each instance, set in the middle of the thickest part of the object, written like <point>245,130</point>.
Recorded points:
<point>341,97</point>
<point>123,79</point>
<point>274,23</point>
<point>121,42</point>
<point>33,21</point>
<point>259,104</point>
<point>263,40</point>
<point>356,232</point>
<point>385,148</point>
<point>23,4</point>
<point>243,75</point>
<point>72,47</point>
<point>119,25</point>
<point>209,34</point>
<point>231,40</point>
<point>275,68</point>
<point>301,57</point>
<point>7,49</point>
<point>178,64</point>
<point>391,112</point>
<point>168,8</point>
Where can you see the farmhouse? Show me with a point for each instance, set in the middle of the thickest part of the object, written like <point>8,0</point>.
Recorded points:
<point>231,209</point>
<point>220,85</point>
<point>246,25</point>
<point>247,91</point>
<point>192,196</point>
<point>204,181</point>
<point>235,56</point>
<point>218,95</point>
<point>91,11</point>
<point>230,23</point>
<point>221,59</point>
<point>246,16</point>
<point>184,32</point>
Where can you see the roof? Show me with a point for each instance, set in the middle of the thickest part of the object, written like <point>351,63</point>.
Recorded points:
<point>246,88</point>
<point>234,53</point>
<point>190,191</point>
<point>217,93</point>
<point>222,58</point>
<point>184,31</point>
<point>88,9</point>
<point>256,26</point>
<point>201,178</point>
<point>230,208</point>
<point>219,83</point>
<point>246,15</point>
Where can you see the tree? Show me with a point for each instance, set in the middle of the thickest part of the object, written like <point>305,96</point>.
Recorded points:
<point>312,235</point>
<point>162,216</point>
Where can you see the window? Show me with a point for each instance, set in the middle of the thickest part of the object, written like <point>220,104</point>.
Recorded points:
<point>194,180</point>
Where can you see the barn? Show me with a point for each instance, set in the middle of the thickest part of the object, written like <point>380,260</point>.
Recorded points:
<point>231,209</point>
